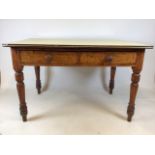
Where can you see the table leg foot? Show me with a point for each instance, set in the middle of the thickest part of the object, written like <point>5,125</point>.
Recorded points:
<point>110,91</point>
<point>112,80</point>
<point>38,81</point>
<point>24,118</point>
<point>23,112</point>
<point>130,112</point>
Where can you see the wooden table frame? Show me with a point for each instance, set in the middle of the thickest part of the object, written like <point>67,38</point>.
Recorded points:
<point>45,55</point>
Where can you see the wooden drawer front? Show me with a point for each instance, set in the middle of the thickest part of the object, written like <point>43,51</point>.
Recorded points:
<point>108,58</point>
<point>77,59</point>
<point>48,58</point>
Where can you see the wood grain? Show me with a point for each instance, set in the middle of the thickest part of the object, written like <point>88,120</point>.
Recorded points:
<point>77,59</point>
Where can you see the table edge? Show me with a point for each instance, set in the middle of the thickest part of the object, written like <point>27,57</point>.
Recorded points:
<point>77,46</point>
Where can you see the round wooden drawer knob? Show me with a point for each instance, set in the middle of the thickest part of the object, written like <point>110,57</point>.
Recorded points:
<point>48,58</point>
<point>108,59</point>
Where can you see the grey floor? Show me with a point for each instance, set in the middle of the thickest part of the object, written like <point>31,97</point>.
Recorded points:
<point>77,112</point>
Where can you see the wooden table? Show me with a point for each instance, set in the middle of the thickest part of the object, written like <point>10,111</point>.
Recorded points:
<point>68,52</point>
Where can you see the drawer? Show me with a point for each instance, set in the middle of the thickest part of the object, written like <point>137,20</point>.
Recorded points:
<point>108,58</point>
<point>48,58</point>
<point>78,58</point>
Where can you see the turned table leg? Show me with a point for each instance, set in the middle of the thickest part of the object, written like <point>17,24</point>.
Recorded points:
<point>21,93</point>
<point>133,92</point>
<point>19,76</point>
<point>112,79</point>
<point>134,85</point>
<point>38,81</point>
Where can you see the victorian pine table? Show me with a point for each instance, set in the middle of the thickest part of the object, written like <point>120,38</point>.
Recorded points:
<point>70,52</point>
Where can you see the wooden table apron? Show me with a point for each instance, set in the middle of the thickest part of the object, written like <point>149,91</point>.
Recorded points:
<point>48,56</point>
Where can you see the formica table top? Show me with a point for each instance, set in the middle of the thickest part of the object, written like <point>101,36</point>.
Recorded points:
<point>47,42</point>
